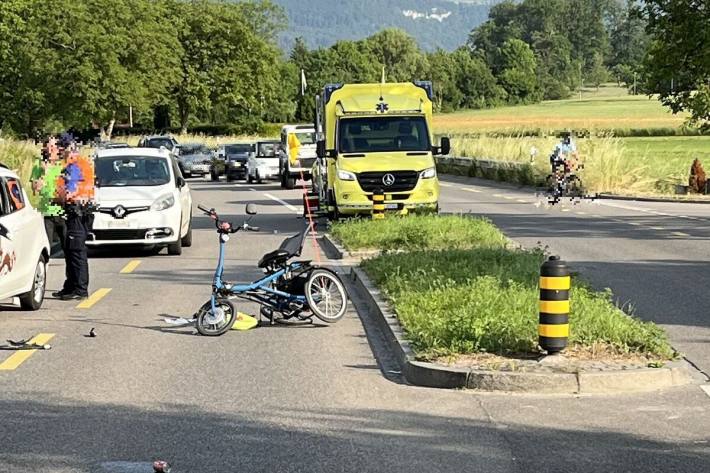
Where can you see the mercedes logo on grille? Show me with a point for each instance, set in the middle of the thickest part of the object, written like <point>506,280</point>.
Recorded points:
<point>388,179</point>
<point>119,211</point>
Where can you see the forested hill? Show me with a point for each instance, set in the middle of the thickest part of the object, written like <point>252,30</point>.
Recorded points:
<point>434,23</point>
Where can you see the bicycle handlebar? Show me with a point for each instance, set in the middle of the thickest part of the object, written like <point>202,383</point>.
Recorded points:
<point>230,228</point>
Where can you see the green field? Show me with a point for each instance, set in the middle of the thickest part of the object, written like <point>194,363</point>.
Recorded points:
<point>611,108</point>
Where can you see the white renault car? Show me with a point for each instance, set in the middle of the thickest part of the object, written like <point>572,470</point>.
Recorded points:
<point>24,249</point>
<point>142,199</point>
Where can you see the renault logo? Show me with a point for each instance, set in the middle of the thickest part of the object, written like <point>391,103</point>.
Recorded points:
<point>119,211</point>
<point>388,179</point>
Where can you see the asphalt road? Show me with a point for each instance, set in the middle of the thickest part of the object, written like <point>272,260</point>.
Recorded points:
<point>318,398</point>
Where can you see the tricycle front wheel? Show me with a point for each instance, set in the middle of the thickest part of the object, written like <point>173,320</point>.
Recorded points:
<point>214,323</point>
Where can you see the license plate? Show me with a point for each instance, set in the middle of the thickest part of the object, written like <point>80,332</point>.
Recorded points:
<point>391,206</point>
<point>119,224</point>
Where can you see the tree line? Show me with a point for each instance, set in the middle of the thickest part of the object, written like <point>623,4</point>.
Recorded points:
<point>182,63</point>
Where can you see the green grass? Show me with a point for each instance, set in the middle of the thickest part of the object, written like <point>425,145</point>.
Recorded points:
<point>458,289</point>
<point>417,232</point>
<point>611,108</point>
<point>619,165</point>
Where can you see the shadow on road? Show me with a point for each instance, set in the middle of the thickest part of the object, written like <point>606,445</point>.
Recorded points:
<point>59,434</point>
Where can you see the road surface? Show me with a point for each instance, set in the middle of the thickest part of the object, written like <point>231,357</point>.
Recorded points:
<point>319,398</point>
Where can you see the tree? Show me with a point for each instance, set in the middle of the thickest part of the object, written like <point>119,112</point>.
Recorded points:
<point>399,54</point>
<point>476,82</point>
<point>677,66</point>
<point>518,74</point>
<point>597,73</point>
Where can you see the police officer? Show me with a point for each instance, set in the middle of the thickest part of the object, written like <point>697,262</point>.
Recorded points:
<point>78,216</point>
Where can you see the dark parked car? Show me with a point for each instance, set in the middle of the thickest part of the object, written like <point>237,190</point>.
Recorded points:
<point>158,141</point>
<point>231,161</point>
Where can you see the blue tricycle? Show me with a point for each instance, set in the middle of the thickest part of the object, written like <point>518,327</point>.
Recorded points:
<point>290,288</point>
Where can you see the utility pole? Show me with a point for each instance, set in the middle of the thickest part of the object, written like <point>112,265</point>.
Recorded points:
<point>634,82</point>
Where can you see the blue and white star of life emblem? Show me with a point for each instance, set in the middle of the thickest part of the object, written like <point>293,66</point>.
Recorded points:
<point>382,107</point>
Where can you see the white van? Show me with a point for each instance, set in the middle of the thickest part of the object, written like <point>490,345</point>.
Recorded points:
<point>24,248</point>
<point>142,199</point>
<point>297,154</point>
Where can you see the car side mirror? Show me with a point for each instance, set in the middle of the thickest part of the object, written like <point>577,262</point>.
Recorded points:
<point>181,182</point>
<point>445,145</point>
<point>320,149</point>
<point>251,209</point>
<point>4,232</point>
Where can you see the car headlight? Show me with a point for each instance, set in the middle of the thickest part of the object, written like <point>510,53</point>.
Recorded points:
<point>164,202</point>
<point>346,176</point>
<point>428,173</point>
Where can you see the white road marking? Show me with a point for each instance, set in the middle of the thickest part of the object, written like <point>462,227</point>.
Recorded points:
<point>443,184</point>
<point>706,388</point>
<point>285,204</point>
<point>579,212</point>
<point>523,201</point>
<point>680,234</point>
<point>634,223</point>
<point>468,189</point>
<point>500,196</point>
<point>648,211</point>
<point>252,189</point>
<point>564,210</point>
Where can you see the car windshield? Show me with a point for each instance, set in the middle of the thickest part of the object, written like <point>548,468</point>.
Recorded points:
<point>306,138</point>
<point>373,134</point>
<point>126,171</point>
<point>194,149</point>
<point>237,149</point>
<point>267,149</point>
<point>158,142</point>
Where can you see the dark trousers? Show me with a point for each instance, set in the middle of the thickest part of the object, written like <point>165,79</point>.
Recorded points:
<point>75,253</point>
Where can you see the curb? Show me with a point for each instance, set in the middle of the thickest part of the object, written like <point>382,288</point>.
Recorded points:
<point>335,250</point>
<point>431,375</point>
<point>670,200</point>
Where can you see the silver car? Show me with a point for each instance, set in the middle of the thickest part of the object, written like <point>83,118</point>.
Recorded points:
<point>194,159</point>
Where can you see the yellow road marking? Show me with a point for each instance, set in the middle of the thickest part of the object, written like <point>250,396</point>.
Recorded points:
<point>19,357</point>
<point>680,234</point>
<point>94,298</point>
<point>131,266</point>
<point>469,189</point>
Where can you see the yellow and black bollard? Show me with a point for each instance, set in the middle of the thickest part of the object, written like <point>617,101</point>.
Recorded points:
<point>378,205</point>
<point>555,284</point>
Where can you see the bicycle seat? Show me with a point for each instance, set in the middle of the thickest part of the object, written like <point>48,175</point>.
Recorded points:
<point>290,247</point>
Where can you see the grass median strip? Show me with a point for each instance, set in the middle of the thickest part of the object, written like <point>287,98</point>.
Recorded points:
<point>478,296</point>
<point>417,232</point>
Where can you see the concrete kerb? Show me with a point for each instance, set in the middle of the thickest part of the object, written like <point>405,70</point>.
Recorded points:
<point>335,250</point>
<point>437,376</point>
